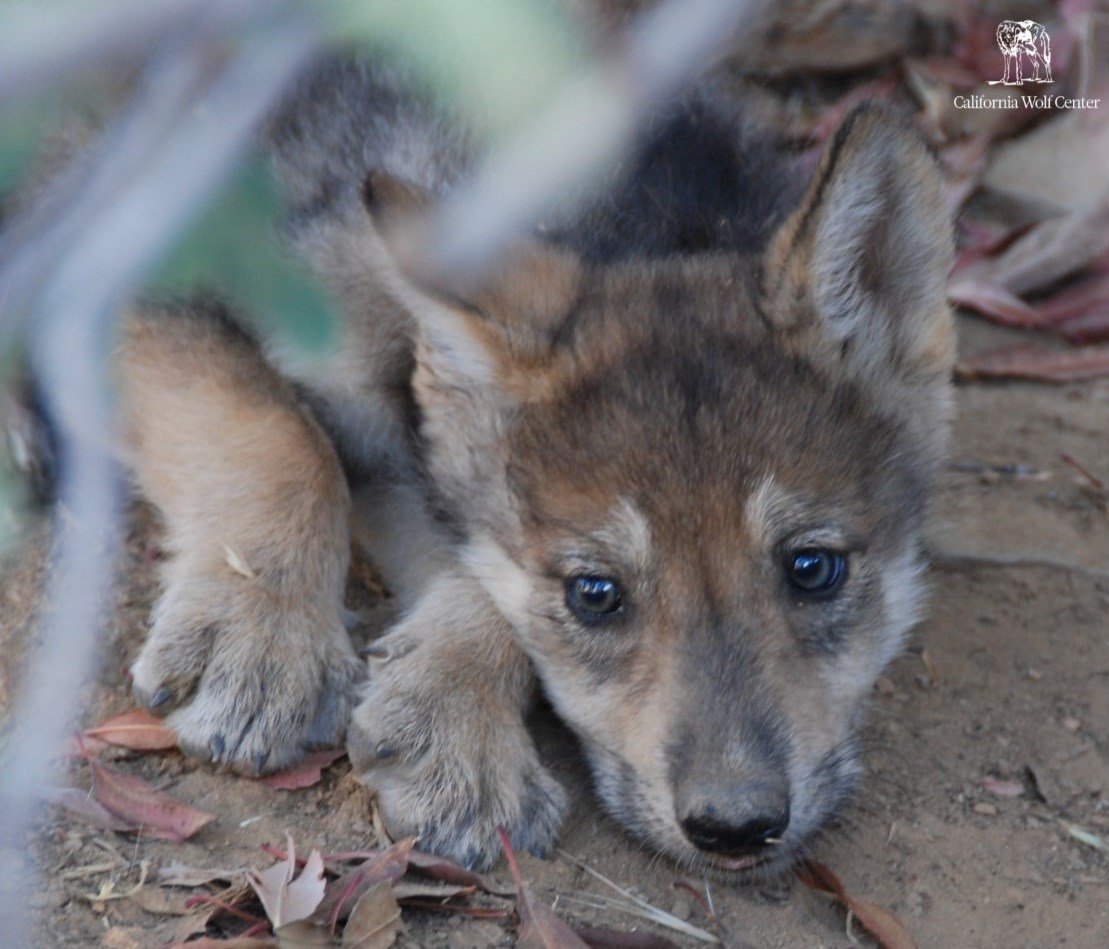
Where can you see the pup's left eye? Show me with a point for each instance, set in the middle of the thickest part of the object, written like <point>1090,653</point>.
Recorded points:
<point>592,598</point>
<point>815,570</point>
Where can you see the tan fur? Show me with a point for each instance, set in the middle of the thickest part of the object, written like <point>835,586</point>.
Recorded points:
<point>247,635</point>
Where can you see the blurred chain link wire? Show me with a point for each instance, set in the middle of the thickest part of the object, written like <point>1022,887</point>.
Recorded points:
<point>130,211</point>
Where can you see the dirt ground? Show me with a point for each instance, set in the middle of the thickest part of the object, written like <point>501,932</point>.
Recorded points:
<point>1007,677</point>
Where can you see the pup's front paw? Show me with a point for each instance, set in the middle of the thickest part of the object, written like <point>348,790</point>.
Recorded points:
<point>451,760</point>
<point>247,681</point>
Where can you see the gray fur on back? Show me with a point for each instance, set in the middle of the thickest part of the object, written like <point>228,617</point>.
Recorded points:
<point>699,178</point>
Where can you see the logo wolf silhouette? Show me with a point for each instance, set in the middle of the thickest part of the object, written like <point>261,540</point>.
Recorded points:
<point>1019,40</point>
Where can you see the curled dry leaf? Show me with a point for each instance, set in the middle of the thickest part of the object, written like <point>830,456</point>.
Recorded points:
<point>137,730</point>
<point>540,928</point>
<point>388,866</point>
<point>374,922</point>
<point>995,303</point>
<point>287,899</point>
<point>1051,250</point>
<point>306,774</point>
<point>880,923</point>
<point>152,811</point>
<point>1036,363</point>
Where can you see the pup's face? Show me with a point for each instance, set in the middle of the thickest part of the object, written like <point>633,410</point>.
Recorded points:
<point>695,489</point>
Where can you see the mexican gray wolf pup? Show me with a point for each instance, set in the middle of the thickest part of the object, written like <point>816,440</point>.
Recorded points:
<point>667,461</point>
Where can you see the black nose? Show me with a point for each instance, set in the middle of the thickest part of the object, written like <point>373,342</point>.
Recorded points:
<point>728,840</point>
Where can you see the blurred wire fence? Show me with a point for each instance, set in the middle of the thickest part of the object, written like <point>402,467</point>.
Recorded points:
<point>164,191</point>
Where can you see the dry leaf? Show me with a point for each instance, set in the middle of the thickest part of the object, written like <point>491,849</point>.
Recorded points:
<point>880,923</point>
<point>80,805</point>
<point>374,922</point>
<point>539,926</point>
<point>995,303</point>
<point>407,890</point>
<point>1036,363</point>
<point>137,729</point>
<point>194,924</point>
<point>440,868</point>
<point>388,866</point>
<point>179,874</point>
<point>1091,328</point>
<point>303,933</point>
<point>131,798</point>
<point>305,774</point>
<point>1051,250</point>
<point>285,899</point>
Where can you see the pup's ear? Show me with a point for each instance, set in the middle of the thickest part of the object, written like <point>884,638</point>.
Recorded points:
<point>854,279</point>
<point>487,329</point>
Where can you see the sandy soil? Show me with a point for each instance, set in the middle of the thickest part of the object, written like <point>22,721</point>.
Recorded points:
<point>1008,677</point>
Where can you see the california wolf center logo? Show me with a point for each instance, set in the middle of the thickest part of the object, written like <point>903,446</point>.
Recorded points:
<point>1023,42</point>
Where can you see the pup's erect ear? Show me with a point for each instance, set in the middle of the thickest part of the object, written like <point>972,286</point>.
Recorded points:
<point>854,279</point>
<point>474,329</point>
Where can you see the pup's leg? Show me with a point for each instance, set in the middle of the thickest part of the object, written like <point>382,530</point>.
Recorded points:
<point>247,649</point>
<point>440,731</point>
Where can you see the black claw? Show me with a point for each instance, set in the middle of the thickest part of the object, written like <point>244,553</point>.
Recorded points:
<point>218,745</point>
<point>260,761</point>
<point>384,751</point>
<point>160,697</point>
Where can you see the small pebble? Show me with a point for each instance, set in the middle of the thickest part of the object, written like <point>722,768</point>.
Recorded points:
<point>986,809</point>
<point>1035,675</point>
<point>1071,724</point>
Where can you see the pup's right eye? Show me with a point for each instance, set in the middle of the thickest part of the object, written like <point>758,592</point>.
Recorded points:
<point>593,599</point>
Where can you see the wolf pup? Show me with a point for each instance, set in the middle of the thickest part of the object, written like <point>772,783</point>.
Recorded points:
<point>668,461</point>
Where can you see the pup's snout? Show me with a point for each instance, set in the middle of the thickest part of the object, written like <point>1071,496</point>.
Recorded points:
<point>730,840</point>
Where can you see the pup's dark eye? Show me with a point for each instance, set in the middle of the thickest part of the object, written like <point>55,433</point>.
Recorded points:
<point>593,598</point>
<point>816,571</point>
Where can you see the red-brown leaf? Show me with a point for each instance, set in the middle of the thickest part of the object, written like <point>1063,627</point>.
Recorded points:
<point>439,868</point>
<point>152,811</point>
<point>539,927</point>
<point>137,730</point>
<point>879,922</point>
<point>305,774</point>
<point>1051,250</point>
<point>995,303</point>
<point>1091,328</point>
<point>1036,363</point>
<point>79,805</point>
<point>387,866</point>
<point>1081,298</point>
